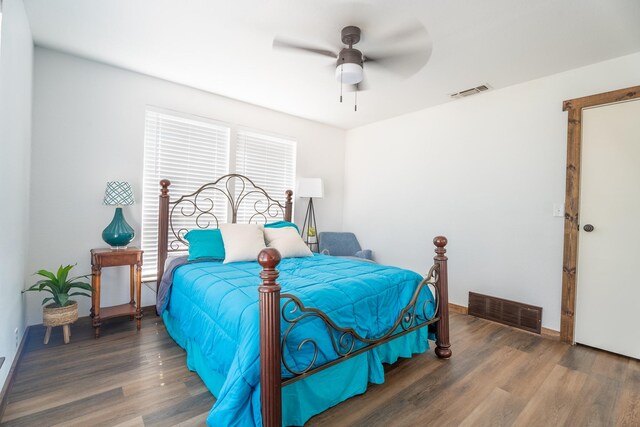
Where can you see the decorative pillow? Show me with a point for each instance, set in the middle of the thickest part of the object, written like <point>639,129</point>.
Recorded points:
<point>287,241</point>
<point>242,242</point>
<point>205,244</point>
<point>281,224</point>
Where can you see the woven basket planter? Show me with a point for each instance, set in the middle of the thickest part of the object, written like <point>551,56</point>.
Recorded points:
<point>59,316</point>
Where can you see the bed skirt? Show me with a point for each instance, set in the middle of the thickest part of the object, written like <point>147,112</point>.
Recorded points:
<point>317,393</point>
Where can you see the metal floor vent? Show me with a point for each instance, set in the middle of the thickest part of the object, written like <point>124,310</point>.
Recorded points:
<point>512,313</point>
<point>469,92</point>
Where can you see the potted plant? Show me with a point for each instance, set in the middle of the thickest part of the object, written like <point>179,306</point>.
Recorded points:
<point>62,311</point>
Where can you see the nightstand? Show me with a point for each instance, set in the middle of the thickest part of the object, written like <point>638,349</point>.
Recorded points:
<point>101,258</point>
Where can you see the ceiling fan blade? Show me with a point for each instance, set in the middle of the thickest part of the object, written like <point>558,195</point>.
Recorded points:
<point>362,86</point>
<point>282,44</point>
<point>405,63</point>
<point>413,30</point>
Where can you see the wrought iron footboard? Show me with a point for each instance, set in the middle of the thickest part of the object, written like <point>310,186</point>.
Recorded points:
<point>346,341</point>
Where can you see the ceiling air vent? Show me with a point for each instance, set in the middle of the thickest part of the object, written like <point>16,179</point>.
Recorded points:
<point>469,92</point>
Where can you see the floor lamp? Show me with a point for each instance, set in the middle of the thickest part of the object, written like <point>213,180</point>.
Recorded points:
<point>311,188</point>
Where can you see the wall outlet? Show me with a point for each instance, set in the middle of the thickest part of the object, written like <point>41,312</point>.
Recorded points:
<point>558,210</point>
<point>15,332</point>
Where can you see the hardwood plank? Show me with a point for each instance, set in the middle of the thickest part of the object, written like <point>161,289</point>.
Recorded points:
<point>529,374</point>
<point>144,379</point>
<point>553,403</point>
<point>70,411</point>
<point>134,422</point>
<point>499,408</point>
<point>598,398</point>
<point>610,365</point>
<point>475,387</point>
<point>632,380</point>
<point>186,408</point>
<point>579,358</point>
<point>197,421</point>
<point>141,404</point>
<point>628,408</point>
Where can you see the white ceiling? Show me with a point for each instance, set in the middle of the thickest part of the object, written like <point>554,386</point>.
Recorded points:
<point>224,46</point>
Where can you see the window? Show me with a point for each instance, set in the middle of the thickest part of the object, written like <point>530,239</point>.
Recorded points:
<point>191,151</point>
<point>269,161</point>
<point>187,150</point>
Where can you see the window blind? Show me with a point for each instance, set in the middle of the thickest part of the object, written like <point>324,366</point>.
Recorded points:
<point>189,151</point>
<point>270,162</point>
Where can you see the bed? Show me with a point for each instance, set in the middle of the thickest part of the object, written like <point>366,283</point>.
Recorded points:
<point>280,340</point>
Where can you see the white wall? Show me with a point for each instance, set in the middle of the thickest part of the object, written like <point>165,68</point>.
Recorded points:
<point>484,171</point>
<point>88,128</point>
<point>16,67</point>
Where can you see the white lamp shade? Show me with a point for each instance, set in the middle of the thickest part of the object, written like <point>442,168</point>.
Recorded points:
<point>118,193</point>
<point>349,74</point>
<point>310,187</point>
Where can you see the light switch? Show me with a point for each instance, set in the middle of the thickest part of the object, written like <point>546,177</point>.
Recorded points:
<point>558,210</point>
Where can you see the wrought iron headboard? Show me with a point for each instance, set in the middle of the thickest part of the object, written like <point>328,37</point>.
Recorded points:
<point>202,209</point>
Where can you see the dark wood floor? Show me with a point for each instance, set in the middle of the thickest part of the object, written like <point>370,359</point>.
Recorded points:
<point>497,376</point>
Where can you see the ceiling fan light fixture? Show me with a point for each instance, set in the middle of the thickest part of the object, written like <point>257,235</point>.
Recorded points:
<point>349,73</point>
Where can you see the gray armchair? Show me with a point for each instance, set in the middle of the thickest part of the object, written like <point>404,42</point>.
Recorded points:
<point>342,244</point>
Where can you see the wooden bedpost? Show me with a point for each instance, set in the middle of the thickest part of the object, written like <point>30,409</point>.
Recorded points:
<point>270,374</point>
<point>443,349</point>
<point>163,229</point>
<point>288,206</point>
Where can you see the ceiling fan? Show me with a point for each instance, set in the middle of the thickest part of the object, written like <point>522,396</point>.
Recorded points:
<point>398,53</point>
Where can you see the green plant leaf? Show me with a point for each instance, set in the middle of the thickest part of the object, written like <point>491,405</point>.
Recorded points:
<point>80,293</point>
<point>44,273</point>
<point>62,299</point>
<point>42,284</point>
<point>84,276</point>
<point>35,288</point>
<point>63,273</point>
<point>46,300</point>
<point>82,285</point>
<point>55,287</point>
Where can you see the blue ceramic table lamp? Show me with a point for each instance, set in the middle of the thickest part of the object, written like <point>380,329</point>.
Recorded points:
<point>118,234</point>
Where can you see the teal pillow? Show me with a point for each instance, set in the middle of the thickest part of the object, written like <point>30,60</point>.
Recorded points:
<point>281,224</point>
<point>205,244</point>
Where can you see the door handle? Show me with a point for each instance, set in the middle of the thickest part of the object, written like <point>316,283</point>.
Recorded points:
<point>588,228</point>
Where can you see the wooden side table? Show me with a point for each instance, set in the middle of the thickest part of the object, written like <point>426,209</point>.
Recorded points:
<point>111,258</point>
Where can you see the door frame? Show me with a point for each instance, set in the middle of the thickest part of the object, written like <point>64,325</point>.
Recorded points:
<point>572,199</point>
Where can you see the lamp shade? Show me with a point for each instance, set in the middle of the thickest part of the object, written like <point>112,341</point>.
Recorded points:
<point>118,193</point>
<point>310,187</point>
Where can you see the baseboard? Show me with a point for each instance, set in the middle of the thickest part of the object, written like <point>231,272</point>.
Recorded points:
<point>458,309</point>
<point>551,333</point>
<point>12,372</point>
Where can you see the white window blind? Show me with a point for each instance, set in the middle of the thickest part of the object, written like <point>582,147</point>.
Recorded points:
<point>270,162</point>
<point>189,151</point>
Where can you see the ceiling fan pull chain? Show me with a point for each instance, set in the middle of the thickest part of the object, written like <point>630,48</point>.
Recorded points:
<point>355,107</point>
<point>341,84</point>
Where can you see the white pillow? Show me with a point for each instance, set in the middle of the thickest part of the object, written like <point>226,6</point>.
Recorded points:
<point>287,241</point>
<point>242,242</point>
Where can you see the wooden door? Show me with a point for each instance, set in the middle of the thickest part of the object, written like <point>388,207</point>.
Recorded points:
<point>608,274</point>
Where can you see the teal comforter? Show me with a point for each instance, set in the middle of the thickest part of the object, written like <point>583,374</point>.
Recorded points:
<point>214,306</point>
